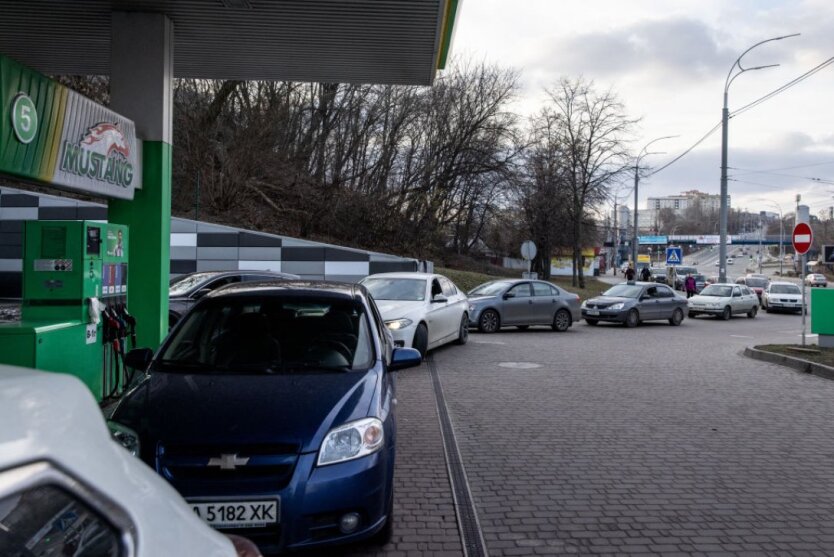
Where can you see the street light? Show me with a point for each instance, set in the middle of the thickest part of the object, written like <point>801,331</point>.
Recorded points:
<point>725,118</point>
<point>643,152</point>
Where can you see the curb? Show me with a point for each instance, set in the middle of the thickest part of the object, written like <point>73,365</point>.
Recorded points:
<point>798,364</point>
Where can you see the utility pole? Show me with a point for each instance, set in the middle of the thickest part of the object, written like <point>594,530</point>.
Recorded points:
<point>616,242</point>
<point>761,232</point>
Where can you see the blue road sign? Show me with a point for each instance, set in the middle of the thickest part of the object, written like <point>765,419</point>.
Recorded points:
<point>652,240</point>
<point>674,255</point>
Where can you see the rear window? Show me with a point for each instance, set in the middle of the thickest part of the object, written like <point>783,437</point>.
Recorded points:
<point>270,335</point>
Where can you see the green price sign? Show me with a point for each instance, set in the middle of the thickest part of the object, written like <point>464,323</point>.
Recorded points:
<point>24,118</point>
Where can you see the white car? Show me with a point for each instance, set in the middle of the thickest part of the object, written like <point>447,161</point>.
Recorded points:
<point>816,279</point>
<point>782,296</point>
<point>67,488</point>
<point>724,300</point>
<point>730,260</point>
<point>421,310</point>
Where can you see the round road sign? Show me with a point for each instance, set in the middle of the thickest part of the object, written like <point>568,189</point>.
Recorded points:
<point>528,250</point>
<point>802,238</point>
<point>24,118</point>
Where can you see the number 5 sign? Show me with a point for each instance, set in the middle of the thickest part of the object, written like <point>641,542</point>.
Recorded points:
<point>24,118</point>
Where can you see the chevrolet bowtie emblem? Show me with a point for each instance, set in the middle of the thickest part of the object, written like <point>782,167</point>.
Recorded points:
<point>228,461</point>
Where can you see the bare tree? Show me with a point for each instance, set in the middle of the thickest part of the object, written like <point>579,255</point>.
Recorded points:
<point>593,129</point>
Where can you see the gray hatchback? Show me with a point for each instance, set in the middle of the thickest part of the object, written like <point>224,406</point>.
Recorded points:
<point>521,303</point>
<point>634,302</point>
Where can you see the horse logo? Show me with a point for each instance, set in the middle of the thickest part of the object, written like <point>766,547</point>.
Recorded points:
<point>105,138</point>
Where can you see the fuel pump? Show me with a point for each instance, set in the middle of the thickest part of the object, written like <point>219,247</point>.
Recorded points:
<point>74,316</point>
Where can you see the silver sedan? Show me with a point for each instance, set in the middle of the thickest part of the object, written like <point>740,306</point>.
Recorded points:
<point>521,303</point>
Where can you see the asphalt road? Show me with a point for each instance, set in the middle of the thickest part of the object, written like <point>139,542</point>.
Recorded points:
<point>607,440</point>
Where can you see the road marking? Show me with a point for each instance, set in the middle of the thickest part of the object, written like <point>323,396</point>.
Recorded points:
<point>740,336</point>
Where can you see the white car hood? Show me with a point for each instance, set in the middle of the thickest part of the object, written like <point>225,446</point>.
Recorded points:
<point>707,300</point>
<point>397,309</point>
<point>53,417</point>
<point>791,297</point>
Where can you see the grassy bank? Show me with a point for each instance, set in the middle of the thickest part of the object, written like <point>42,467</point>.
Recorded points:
<point>467,280</point>
<point>824,356</point>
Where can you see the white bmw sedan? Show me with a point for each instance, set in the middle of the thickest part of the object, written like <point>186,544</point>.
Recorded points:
<point>421,310</point>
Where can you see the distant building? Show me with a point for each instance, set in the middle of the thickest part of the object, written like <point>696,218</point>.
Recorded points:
<point>647,219</point>
<point>679,203</point>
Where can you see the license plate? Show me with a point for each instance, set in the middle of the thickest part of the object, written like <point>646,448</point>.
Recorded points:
<point>592,312</point>
<point>238,514</point>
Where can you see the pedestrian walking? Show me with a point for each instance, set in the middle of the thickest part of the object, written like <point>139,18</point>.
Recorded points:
<point>646,274</point>
<point>690,285</point>
<point>629,274</point>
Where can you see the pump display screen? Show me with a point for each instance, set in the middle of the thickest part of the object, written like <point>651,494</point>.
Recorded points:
<point>53,242</point>
<point>94,241</point>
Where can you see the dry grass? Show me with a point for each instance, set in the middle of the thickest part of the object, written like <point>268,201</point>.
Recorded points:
<point>467,280</point>
<point>824,356</point>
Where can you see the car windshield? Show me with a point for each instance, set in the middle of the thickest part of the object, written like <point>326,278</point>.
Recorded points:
<point>489,288</point>
<point>717,290</point>
<point>685,270</point>
<point>756,282</point>
<point>624,291</point>
<point>404,289</point>
<point>699,278</point>
<point>784,289</point>
<point>181,286</point>
<point>270,334</point>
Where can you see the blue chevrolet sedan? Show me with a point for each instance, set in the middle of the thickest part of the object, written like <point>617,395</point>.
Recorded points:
<point>270,408</point>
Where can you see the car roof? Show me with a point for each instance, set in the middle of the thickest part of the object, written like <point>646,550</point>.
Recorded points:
<point>331,289</point>
<point>782,282</point>
<point>404,275</point>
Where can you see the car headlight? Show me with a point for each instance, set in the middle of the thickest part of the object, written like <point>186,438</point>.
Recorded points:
<point>125,437</point>
<point>471,307</point>
<point>397,324</point>
<point>584,304</point>
<point>353,440</point>
<point>618,306</point>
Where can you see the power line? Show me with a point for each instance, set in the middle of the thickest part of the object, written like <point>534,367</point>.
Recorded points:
<point>747,107</point>
<point>784,87</point>
<point>679,157</point>
<point>751,171</point>
<point>811,178</point>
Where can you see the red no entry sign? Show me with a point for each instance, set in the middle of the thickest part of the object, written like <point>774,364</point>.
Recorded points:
<point>802,238</point>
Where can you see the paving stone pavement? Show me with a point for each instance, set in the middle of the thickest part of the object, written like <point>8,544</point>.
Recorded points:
<point>424,514</point>
<point>655,440</point>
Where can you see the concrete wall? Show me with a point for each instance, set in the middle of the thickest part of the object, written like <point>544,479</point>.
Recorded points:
<point>195,245</point>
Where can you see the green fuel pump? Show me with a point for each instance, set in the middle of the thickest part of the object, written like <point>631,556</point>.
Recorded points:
<point>73,314</point>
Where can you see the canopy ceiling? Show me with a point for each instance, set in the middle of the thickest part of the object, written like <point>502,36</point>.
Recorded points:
<point>365,41</point>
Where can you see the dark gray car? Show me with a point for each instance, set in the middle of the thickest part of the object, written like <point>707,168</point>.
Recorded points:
<point>634,302</point>
<point>185,290</point>
<point>521,303</point>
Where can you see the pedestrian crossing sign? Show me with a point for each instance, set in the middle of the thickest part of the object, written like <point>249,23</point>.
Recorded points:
<point>674,256</point>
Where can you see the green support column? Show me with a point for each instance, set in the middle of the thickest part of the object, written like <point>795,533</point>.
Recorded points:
<point>149,219</point>
<point>141,88</point>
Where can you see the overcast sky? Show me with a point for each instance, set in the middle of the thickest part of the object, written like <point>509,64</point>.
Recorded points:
<point>667,61</point>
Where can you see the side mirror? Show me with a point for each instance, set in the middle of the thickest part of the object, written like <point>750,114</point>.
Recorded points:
<point>200,293</point>
<point>508,295</point>
<point>439,299</point>
<point>139,358</point>
<point>403,358</point>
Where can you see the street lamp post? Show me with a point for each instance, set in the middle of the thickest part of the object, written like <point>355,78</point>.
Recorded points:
<point>643,152</point>
<point>725,119</point>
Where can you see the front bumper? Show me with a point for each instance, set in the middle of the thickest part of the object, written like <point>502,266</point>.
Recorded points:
<point>618,316</point>
<point>404,337</point>
<point>312,503</point>
<point>701,310</point>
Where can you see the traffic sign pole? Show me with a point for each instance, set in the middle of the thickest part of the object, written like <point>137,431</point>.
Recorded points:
<point>804,304</point>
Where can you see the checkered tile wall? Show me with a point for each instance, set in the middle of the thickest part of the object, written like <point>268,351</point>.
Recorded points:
<point>195,245</point>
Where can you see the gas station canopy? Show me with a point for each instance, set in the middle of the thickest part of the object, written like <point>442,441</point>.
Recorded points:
<point>346,41</point>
